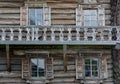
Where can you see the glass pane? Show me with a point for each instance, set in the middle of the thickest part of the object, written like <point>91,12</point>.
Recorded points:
<point>90,18</point>
<point>94,67</point>
<point>95,61</point>
<point>34,67</point>
<point>39,16</point>
<point>32,17</point>
<point>87,70</point>
<point>94,23</point>
<point>95,74</point>
<point>41,67</point>
<point>87,74</point>
<point>87,61</point>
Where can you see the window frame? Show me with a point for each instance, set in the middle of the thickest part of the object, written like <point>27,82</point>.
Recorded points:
<point>92,77</point>
<point>43,77</point>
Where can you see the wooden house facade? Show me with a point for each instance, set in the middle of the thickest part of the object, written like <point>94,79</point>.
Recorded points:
<point>59,41</point>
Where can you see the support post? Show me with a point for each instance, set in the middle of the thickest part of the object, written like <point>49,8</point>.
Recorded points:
<point>8,58</point>
<point>65,57</point>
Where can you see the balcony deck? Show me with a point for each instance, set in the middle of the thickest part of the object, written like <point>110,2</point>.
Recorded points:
<point>59,35</point>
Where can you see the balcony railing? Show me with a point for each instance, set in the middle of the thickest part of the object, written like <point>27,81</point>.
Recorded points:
<point>107,35</point>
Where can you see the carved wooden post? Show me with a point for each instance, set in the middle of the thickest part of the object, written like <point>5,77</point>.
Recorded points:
<point>8,58</point>
<point>65,57</point>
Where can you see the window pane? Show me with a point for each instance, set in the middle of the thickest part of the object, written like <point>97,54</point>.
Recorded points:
<point>34,67</point>
<point>90,18</point>
<point>32,17</point>
<point>35,16</point>
<point>41,67</point>
<point>95,74</point>
<point>87,61</point>
<point>38,67</point>
<point>95,61</point>
<point>39,16</point>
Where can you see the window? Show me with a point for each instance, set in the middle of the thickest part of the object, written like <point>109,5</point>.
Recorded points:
<point>38,67</point>
<point>90,18</point>
<point>91,67</point>
<point>35,16</point>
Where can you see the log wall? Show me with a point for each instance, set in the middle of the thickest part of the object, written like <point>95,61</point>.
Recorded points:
<point>63,12</point>
<point>60,75</point>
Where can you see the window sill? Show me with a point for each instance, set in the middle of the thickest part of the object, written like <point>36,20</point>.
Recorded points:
<point>37,78</point>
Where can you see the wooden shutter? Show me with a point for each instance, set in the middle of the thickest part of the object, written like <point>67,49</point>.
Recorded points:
<point>79,67</point>
<point>103,68</point>
<point>46,15</point>
<point>101,16</point>
<point>24,15</point>
<point>49,68</point>
<point>25,68</point>
<point>79,16</point>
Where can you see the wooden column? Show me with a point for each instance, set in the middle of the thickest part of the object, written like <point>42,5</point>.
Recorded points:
<point>8,58</point>
<point>65,57</point>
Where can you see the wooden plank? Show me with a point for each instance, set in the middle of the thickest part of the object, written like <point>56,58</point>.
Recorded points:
<point>10,16</point>
<point>10,10</point>
<point>10,4</point>
<point>63,22</point>
<point>62,5</point>
<point>62,1</point>
<point>63,11</point>
<point>63,17</point>
<point>9,22</point>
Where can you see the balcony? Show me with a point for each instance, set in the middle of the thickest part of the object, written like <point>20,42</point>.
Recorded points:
<point>107,35</point>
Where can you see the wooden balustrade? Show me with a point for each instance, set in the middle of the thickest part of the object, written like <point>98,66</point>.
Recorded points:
<point>59,35</point>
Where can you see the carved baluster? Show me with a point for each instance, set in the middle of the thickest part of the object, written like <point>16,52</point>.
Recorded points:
<point>36,34</point>
<point>44,35</point>
<point>33,32</point>
<point>61,34</point>
<point>102,35</point>
<point>3,34</point>
<point>93,34</point>
<point>20,34</point>
<point>11,34</point>
<point>53,34</point>
<point>69,34</point>
<point>118,34</point>
<point>77,34</point>
<point>85,34</point>
<point>28,34</point>
<point>109,34</point>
